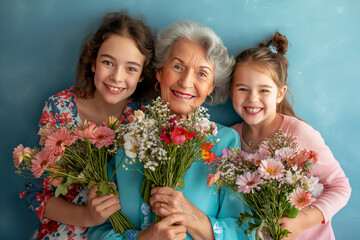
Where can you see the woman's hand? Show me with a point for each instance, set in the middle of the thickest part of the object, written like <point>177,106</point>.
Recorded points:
<point>306,218</point>
<point>99,209</point>
<point>169,228</point>
<point>166,202</point>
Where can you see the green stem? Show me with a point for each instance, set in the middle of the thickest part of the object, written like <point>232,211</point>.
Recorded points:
<point>65,174</point>
<point>117,166</point>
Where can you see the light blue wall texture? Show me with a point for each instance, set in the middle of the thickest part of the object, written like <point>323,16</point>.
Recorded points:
<point>39,48</point>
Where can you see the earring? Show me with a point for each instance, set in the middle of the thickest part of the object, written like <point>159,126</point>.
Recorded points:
<point>210,101</point>
<point>157,88</point>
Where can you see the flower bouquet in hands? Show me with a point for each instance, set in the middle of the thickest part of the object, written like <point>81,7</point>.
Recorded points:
<point>74,155</point>
<point>274,181</point>
<point>167,147</point>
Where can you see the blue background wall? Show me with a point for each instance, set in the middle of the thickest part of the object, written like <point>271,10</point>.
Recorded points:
<point>39,48</point>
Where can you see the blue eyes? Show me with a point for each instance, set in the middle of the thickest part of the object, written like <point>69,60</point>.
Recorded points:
<point>131,69</point>
<point>177,67</point>
<point>202,74</point>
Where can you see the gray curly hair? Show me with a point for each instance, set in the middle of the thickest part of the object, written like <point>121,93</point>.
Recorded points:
<point>215,50</point>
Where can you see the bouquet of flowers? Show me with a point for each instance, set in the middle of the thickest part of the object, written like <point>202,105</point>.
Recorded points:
<point>167,147</point>
<point>74,155</point>
<point>274,181</point>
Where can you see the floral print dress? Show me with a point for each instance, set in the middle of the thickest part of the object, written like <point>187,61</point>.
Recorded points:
<point>61,109</point>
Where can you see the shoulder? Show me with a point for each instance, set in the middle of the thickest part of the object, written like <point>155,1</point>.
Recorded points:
<point>303,132</point>
<point>238,127</point>
<point>225,131</point>
<point>60,98</point>
<point>227,136</point>
<point>59,108</point>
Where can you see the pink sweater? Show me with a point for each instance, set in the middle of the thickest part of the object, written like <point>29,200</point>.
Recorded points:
<point>336,185</point>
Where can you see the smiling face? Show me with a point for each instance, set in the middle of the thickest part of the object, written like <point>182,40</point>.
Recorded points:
<point>117,69</point>
<point>186,78</point>
<point>255,95</point>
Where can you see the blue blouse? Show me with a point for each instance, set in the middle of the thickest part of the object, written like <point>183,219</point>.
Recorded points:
<point>220,205</point>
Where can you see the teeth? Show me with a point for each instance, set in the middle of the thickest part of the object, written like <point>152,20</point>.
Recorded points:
<point>253,110</point>
<point>114,88</point>
<point>182,95</point>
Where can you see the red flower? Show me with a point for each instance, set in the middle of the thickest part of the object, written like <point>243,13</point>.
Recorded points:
<point>180,135</point>
<point>206,154</point>
<point>175,134</point>
<point>177,138</point>
<point>166,137</point>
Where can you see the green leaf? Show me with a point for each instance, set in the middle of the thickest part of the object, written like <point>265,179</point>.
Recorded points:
<point>291,212</point>
<point>106,188</point>
<point>181,183</point>
<point>268,209</point>
<point>62,188</point>
<point>244,217</point>
<point>284,233</point>
<point>254,227</point>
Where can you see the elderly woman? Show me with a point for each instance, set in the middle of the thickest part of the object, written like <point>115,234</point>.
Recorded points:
<point>191,64</point>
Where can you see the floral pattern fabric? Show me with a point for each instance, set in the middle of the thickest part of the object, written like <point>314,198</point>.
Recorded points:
<point>61,109</point>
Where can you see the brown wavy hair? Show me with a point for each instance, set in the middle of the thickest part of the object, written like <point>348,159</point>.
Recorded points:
<point>119,23</point>
<point>272,61</point>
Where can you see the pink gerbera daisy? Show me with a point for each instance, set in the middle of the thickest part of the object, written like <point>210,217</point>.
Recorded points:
<point>271,169</point>
<point>102,136</point>
<point>85,131</point>
<point>300,198</point>
<point>45,132</point>
<point>41,161</point>
<point>248,182</point>
<point>256,158</point>
<point>212,178</point>
<point>57,141</point>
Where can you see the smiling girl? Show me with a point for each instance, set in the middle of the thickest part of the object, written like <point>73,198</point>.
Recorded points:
<point>258,93</point>
<point>113,76</point>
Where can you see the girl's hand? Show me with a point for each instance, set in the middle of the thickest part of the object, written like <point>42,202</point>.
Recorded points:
<point>294,225</point>
<point>166,202</point>
<point>99,209</point>
<point>168,229</point>
<point>306,218</point>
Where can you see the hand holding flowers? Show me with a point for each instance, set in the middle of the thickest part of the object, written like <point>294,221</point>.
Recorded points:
<point>75,155</point>
<point>274,181</point>
<point>166,147</point>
